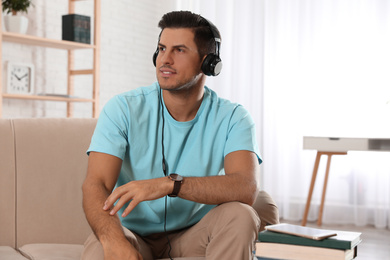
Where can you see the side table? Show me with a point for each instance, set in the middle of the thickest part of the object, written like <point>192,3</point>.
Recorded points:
<point>336,146</point>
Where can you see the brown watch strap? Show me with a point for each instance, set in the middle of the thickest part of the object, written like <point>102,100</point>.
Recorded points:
<point>177,184</point>
<point>176,189</point>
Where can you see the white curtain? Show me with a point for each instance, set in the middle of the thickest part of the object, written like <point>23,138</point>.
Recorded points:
<point>327,73</point>
<point>318,68</point>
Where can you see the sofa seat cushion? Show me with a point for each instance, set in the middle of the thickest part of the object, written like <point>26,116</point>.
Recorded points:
<point>8,253</point>
<point>52,251</point>
<point>60,252</point>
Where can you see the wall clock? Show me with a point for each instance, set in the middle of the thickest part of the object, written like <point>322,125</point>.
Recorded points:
<point>20,78</point>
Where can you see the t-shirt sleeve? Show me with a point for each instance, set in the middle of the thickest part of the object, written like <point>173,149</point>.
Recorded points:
<point>242,133</point>
<point>111,132</point>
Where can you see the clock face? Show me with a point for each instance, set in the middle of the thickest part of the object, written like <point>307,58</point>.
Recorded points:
<point>20,78</point>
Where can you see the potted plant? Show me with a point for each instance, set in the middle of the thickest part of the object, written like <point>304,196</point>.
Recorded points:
<point>14,22</point>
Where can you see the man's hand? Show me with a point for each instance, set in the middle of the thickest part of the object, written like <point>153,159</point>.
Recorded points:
<point>136,192</point>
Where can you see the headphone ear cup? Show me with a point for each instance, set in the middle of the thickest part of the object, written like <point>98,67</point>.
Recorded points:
<point>155,57</point>
<point>211,65</point>
<point>206,64</point>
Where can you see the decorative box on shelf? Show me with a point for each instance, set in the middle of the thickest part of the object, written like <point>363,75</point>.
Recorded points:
<point>76,28</point>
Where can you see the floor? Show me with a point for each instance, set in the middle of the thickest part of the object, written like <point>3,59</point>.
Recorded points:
<point>375,242</point>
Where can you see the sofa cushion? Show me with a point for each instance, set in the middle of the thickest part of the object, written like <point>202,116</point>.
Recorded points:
<point>8,253</point>
<point>64,252</point>
<point>7,184</point>
<point>52,251</point>
<point>51,166</point>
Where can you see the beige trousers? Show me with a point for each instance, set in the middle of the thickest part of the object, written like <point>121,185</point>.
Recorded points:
<point>228,231</point>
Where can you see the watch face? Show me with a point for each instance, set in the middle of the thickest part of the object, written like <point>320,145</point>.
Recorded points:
<point>20,78</point>
<point>175,177</point>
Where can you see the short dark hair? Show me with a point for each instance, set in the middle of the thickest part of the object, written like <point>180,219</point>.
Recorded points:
<point>203,36</point>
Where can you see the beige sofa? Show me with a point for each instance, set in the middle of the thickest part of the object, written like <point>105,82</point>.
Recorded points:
<point>42,166</point>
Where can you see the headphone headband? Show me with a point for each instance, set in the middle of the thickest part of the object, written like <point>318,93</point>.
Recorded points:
<point>214,32</point>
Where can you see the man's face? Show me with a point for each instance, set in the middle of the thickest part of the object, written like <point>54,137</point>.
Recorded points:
<point>178,64</point>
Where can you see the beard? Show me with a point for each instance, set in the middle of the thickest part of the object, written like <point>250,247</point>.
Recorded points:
<point>180,84</point>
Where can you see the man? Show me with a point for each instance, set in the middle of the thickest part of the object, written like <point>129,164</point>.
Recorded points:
<point>183,162</point>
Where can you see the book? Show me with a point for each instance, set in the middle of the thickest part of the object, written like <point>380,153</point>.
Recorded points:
<point>297,252</point>
<point>343,240</point>
<point>56,95</point>
<point>76,28</point>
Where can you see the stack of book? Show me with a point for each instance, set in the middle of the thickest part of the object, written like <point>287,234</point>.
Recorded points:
<point>302,244</point>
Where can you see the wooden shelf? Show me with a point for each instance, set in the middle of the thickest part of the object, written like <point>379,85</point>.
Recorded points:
<point>46,98</point>
<point>68,46</point>
<point>43,42</point>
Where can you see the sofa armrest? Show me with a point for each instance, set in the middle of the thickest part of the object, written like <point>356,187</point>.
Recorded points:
<point>52,251</point>
<point>51,167</point>
<point>7,184</point>
<point>8,253</point>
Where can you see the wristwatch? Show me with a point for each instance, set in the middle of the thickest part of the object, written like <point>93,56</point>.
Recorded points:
<point>178,179</point>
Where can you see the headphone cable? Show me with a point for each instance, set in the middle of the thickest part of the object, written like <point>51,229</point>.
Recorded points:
<point>165,173</point>
<point>165,230</point>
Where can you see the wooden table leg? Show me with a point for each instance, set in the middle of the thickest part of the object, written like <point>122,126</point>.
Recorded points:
<point>319,221</point>
<point>313,180</point>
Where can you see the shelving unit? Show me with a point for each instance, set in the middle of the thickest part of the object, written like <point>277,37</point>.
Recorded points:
<point>70,47</point>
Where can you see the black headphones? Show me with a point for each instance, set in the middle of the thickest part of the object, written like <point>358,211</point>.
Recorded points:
<point>212,64</point>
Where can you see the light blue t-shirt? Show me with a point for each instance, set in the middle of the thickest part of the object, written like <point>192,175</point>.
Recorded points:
<point>130,127</point>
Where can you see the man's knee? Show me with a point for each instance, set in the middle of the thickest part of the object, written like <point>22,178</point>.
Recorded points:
<point>92,249</point>
<point>239,215</point>
<point>267,210</point>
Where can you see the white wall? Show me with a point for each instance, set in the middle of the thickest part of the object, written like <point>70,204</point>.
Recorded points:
<point>129,37</point>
